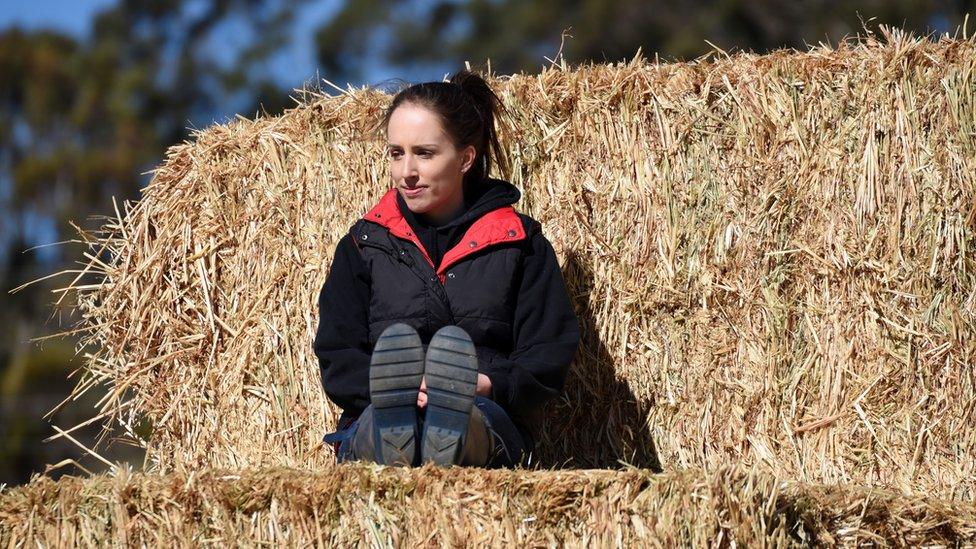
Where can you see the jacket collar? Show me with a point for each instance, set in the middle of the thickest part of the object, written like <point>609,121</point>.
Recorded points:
<point>497,225</point>
<point>480,197</point>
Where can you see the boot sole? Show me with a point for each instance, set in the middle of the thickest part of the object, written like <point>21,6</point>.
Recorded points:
<point>395,372</point>
<point>451,369</point>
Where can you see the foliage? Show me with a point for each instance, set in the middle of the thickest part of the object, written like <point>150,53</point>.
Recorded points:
<point>516,34</point>
<point>82,121</point>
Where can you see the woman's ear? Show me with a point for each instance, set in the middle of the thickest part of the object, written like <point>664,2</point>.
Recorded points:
<point>467,158</point>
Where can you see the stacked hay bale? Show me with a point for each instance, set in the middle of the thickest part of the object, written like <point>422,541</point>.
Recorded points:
<point>771,257</point>
<point>368,505</point>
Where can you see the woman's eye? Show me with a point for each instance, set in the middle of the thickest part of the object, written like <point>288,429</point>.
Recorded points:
<point>422,154</point>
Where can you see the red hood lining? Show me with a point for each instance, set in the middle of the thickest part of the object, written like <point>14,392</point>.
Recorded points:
<point>500,225</point>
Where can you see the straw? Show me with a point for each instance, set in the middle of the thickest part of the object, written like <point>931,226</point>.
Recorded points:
<point>771,257</point>
<point>371,505</point>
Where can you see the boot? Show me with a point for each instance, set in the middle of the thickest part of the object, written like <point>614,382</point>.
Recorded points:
<point>395,373</point>
<point>362,445</point>
<point>478,446</point>
<point>451,370</point>
<point>476,450</point>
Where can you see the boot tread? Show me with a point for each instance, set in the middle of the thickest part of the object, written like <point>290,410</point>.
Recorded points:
<point>396,369</point>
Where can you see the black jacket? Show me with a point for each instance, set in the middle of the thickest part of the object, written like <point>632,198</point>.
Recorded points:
<point>506,291</point>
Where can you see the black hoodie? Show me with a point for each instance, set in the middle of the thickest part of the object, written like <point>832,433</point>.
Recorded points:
<point>479,199</point>
<point>543,313</point>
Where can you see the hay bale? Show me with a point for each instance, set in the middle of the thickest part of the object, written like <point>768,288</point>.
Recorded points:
<point>771,257</point>
<point>370,505</point>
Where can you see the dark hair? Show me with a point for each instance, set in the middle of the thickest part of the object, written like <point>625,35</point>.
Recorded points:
<point>469,110</point>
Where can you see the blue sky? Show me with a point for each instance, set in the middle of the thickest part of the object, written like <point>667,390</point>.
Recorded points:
<point>73,16</point>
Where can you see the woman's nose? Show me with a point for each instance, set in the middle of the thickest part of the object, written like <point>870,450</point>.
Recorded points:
<point>410,164</point>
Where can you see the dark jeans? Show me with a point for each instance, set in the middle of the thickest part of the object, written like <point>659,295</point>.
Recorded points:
<point>509,446</point>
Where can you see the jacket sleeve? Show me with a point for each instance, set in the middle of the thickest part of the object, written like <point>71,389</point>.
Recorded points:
<point>546,332</point>
<point>342,339</point>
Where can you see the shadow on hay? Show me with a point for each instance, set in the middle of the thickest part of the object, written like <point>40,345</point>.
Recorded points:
<point>597,422</point>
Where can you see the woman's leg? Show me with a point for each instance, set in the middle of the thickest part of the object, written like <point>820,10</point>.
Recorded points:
<point>386,432</point>
<point>507,448</point>
<point>358,441</point>
<point>461,427</point>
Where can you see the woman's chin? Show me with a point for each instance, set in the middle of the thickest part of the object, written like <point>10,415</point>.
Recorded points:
<point>417,205</point>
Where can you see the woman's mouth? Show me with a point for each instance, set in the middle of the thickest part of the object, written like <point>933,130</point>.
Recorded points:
<point>413,192</point>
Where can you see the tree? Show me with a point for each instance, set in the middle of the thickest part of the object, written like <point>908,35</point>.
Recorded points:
<point>517,34</point>
<point>80,123</point>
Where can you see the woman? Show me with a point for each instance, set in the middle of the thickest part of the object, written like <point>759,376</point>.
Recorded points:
<point>445,324</point>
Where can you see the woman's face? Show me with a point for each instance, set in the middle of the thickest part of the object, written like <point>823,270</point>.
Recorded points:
<point>426,167</point>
